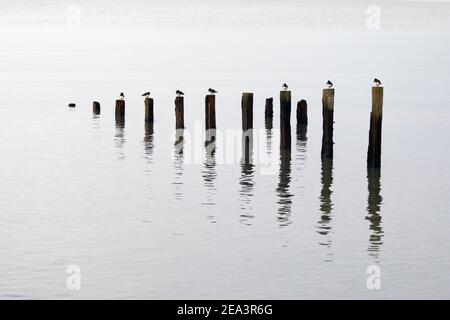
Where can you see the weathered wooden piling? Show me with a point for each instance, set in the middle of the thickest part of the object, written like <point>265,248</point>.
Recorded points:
<point>285,120</point>
<point>268,110</point>
<point>328,121</point>
<point>302,113</point>
<point>179,113</point>
<point>148,102</point>
<point>376,119</point>
<point>120,110</point>
<point>96,107</point>
<point>210,122</point>
<point>210,112</point>
<point>268,124</point>
<point>247,111</point>
<point>302,120</point>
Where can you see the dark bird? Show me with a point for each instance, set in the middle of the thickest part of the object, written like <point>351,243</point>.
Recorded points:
<point>72,105</point>
<point>147,94</point>
<point>212,91</point>
<point>329,84</point>
<point>122,96</point>
<point>284,86</point>
<point>376,82</point>
<point>179,93</point>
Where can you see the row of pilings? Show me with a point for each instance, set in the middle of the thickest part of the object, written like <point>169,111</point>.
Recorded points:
<point>376,116</point>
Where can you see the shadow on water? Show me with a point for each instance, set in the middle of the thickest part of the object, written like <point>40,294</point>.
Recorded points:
<point>119,138</point>
<point>246,180</point>
<point>373,212</point>
<point>326,206</point>
<point>283,192</point>
<point>209,173</point>
<point>269,126</point>
<point>148,142</point>
<point>178,159</point>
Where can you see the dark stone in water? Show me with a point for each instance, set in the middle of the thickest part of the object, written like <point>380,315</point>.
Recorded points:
<point>72,105</point>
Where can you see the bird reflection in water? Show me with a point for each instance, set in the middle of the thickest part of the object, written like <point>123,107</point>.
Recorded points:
<point>119,138</point>
<point>283,192</point>
<point>326,206</point>
<point>373,212</point>
<point>209,172</point>
<point>246,180</point>
<point>178,158</point>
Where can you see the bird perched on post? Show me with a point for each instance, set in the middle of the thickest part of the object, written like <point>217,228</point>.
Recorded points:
<point>146,95</point>
<point>212,91</point>
<point>122,96</point>
<point>284,86</point>
<point>376,82</point>
<point>329,84</point>
<point>179,93</point>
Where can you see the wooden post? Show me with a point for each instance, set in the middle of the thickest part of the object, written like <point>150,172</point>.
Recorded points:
<point>210,111</point>
<point>268,110</point>
<point>120,110</point>
<point>302,113</point>
<point>328,121</point>
<point>210,122</point>
<point>247,111</point>
<point>302,120</point>
<point>179,113</point>
<point>96,107</point>
<point>268,124</point>
<point>376,119</point>
<point>285,120</point>
<point>148,110</point>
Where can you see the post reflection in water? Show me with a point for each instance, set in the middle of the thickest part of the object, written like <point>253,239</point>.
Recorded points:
<point>246,180</point>
<point>178,158</point>
<point>96,126</point>
<point>149,146</point>
<point>148,142</point>
<point>269,127</point>
<point>326,206</point>
<point>209,172</point>
<point>119,138</point>
<point>301,153</point>
<point>283,192</point>
<point>302,130</point>
<point>373,212</point>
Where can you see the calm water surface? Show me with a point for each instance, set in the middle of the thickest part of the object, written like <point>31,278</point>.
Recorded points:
<point>146,214</point>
